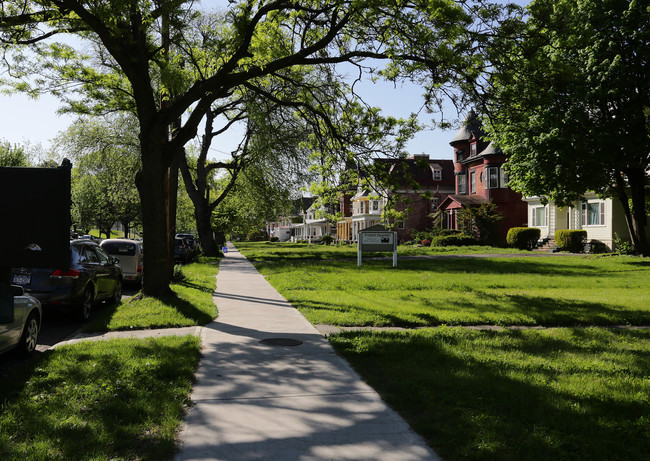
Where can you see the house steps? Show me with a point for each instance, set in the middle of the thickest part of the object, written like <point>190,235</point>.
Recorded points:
<point>547,245</point>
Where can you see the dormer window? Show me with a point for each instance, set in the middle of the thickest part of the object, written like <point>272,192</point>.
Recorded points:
<point>437,174</point>
<point>472,150</point>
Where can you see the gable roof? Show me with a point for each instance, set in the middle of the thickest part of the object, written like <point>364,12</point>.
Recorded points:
<point>420,169</point>
<point>462,200</point>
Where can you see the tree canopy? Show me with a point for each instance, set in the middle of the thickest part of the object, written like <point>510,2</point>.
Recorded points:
<point>568,100</point>
<point>106,157</point>
<point>169,64</point>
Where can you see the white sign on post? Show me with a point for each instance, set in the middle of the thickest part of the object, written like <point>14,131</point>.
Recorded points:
<point>374,239</point>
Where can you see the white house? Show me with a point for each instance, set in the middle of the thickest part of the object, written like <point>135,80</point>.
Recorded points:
<point>603,219</point>
<point>314,225</point>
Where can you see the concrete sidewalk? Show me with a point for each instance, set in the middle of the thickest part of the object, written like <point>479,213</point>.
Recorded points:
<point>271,387</point>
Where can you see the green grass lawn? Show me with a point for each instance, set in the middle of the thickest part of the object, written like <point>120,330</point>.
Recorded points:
<point>282,251</point>
<point>553,394</point>
<point>575,392</point>
<point>191,305</point>
<point>118,399</point>
<point>103,400</point>
<point>549,291</point>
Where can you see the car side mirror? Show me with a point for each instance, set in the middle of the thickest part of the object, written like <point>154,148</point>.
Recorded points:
<point>17,290</point>
<point>116,260</point>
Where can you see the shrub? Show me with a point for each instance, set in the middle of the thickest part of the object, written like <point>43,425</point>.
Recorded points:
<point>523,238</point>
<point>480,222</point>
<point>457,240</point>
<point>257,236</point>
<point>571,240</point>
<point>327,239</point>
<point>425,243</point>
<point>274,239</point>
<point>623,247</point>
<point>598,247</point>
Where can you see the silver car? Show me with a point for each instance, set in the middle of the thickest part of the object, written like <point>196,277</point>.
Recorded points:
<point>129,253</point>
<point>22,332</point>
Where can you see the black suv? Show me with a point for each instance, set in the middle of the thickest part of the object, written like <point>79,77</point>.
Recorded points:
<point>93,276</point>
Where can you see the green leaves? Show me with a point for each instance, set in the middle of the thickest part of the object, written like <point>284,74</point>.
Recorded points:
<point>567,101</point>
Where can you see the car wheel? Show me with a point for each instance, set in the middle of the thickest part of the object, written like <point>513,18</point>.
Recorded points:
<point>29,337</point>
<point>117,294</point>
<point>86,304</point>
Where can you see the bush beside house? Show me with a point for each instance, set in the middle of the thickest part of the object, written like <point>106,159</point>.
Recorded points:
<point>572,240</point>
<point>523,238</point>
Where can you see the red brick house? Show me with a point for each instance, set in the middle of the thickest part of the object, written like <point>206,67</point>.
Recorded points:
<point>418,184</point>
<point>479,178</point>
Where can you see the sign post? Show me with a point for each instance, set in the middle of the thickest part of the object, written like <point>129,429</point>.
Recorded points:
<point>377,238</point>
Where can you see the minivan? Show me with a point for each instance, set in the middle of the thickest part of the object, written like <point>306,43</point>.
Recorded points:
<point>129,252</point>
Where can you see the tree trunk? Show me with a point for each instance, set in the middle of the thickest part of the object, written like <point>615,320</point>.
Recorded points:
<point>151,187</point>
<point>636,180</point>
<point>636,217</point>
<point>127,229</point>
<point>202,214</point>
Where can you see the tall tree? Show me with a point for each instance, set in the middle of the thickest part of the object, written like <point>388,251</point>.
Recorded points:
<point>105,155</point>
<point>144,63</point>
<point>13,155</point>
<point>569,102</point>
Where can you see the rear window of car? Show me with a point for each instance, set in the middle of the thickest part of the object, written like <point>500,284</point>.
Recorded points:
<point>119,248</point>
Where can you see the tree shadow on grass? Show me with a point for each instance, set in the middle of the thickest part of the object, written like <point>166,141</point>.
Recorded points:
<point>185,308</point>
<point>469,406</point>
<point>505,310</point>
<point>124,413</point>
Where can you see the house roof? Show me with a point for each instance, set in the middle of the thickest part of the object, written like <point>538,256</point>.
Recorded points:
<point>471,125</point>
<point>419,168</point>
<point>361,194</point>
<point>462,200</point>
<point>301,205</point>
<point>491,149</point>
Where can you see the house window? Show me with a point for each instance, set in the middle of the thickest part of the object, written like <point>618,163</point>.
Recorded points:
<point>434,203</point>
<point>540,216</point>
<point>472,150</point>
<point>375,205</point>
<point>593,214</point>
<point>459,156</point>
<point>472,182</point>
<point>503,178</point>
<point>462,183</point>
<point>493,174</point>
<point>450,219</point>
<point>437,175</point>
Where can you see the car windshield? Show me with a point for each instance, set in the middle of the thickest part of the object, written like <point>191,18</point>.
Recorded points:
<point>119,248</point>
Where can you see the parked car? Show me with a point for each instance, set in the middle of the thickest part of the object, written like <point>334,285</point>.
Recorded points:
<point>93,276</point>
<point>191,242</point>
<point>22,333</point>
<point>129,252</point>
<point>182,251</point>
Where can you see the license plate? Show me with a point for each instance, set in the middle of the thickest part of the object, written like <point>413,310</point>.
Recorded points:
<point>22,279</point>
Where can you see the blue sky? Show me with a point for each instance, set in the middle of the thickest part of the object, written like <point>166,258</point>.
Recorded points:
<point>24,120</point>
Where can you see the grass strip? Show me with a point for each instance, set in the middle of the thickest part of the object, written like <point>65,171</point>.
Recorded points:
<point>282,251</point>
<point>549,291</point>
<point>512,395</point>
<point>103,400</point>
<point>191,304</point>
